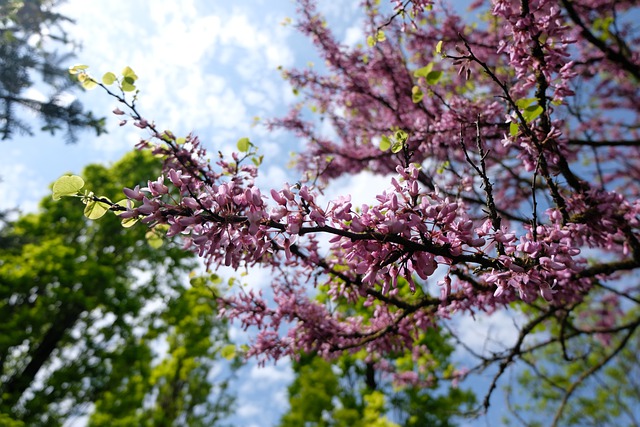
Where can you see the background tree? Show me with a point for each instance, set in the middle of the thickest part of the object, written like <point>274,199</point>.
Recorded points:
<point>355,389</point>
<point>86,307</point>
<point>513,144</point>
<point>31,34</point>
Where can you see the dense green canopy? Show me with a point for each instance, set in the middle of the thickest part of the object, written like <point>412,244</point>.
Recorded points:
<point>91,314</point>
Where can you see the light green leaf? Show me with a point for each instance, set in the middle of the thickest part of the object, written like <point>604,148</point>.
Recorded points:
<point>424,71</point>
<point>416,94</point>
<point>127,222</point>
<point>228,351</point>
<point>525,102</point>
<point>95,209</point>
<point>433,77</point>
<point>127,72</point>
<point>67,185</point>
<point>513,129</point>
<point>154,239</point>
<point>439,48</point>
<point>257,160</point>
<point>181,140</point>
<point>385,143</point>
<point>108,78</point>
<point>89,84</point>
<point>77,69</point>
<point>128,86</point>
<point>397,147</point>
<point>244,144</point>
<point>531,113</point>
<point>371,42</point>
<point>380,36</point>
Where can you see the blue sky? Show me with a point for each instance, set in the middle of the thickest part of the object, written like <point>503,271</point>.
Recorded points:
<point>210,67</point>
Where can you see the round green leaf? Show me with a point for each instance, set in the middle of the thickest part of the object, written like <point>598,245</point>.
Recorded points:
<point>416,94</point>
<point>108,78</point>
<point>127,72</point>
<point>385,143</point>
<point>228,351</point>
<point>89,83</point>
<point>244,144</point>
<point>67,185</point>
<point>77,69</point>
<point>433,77</point>
<point>397,147</point>
<point>128,87</point>
<point>154,239</point>
<point>96,209</point>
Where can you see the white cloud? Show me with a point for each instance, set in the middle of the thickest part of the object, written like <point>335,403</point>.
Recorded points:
<point>486,333</point>
<point>266,375</point>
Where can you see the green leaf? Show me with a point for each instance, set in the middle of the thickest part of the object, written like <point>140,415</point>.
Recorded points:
<point>439,48</point>
<point>416,94</point>
<point>127,72</point>
<point>513,129</point>
<point>127,86</point>
<point>380,36</point>
<point>228,351</point>
<point>154,239</point>
<point>371,42</point>
<point>525,102</point>
<point>89,84</point>
<point>385,143</point>
<point>257,160</point>
<point>243,145</point>
<point>401,135</point>
<point>67,185</point>
<point>531,113</point>
<point>127,222</point>
<point>96,209</point>
<point>181,140</point>
<point>424,71</point>
<point>77,69</point>
<point>108,78</point>
<point>397,147</point>
<point>433,77</point>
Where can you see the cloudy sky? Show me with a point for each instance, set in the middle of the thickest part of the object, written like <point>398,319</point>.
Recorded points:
<point>210,67</point>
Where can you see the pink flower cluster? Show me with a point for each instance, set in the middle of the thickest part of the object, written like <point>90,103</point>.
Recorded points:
<point>480,212</point>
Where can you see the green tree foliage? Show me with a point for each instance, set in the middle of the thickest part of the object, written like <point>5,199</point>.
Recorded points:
<point>31,32</point>
<point>85,306</point>
<point>355,390</point>
<point>592,380</point>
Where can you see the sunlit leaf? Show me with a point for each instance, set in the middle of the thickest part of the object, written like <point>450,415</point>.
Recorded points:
<point>67,185</point>
<point>513,129</point>
<point>154,239</point>
<point>127,72</point>
<point>89,83</point>
<point>96,209</point>
<point>525,102</point>
<point>397,147</point>
<point>228,351</point>
<point>439,48</point>
<point>385,143</point>
<point>416,94</point>
<point>77,69</point>
<point>244,144</point>
<point>424,71</point>
<point>108,78</point>
<point>531,113</point>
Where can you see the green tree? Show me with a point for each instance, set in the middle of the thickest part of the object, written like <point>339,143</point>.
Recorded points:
<point>587,378</point>
<point>355,390</point>
<point>84,304</point>
<point>31,33</point>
